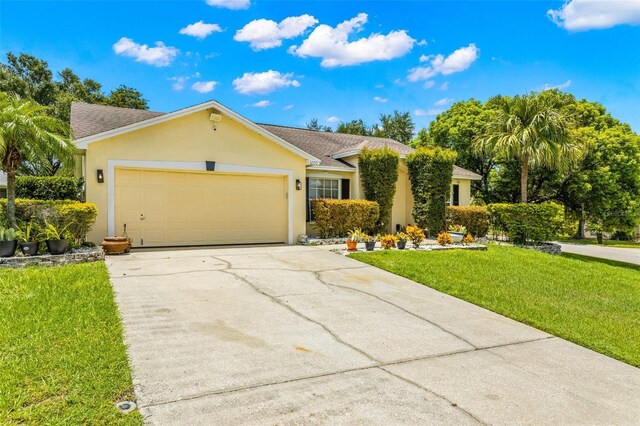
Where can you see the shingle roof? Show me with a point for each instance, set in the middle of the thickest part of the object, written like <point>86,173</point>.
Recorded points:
<point>89,119</point>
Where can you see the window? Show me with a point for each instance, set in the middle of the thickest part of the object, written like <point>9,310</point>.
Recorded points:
<point>456,195</point>
<point>3,192</point>
<point>321,188</point>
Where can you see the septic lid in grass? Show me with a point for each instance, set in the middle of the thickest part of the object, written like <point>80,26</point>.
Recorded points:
<point>126,406</point>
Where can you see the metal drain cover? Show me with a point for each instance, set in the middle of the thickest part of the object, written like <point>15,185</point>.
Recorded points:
<point>126,406</point>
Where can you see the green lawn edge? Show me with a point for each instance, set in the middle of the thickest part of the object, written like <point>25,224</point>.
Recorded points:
<point>62,355</point>
<point>585,301</point>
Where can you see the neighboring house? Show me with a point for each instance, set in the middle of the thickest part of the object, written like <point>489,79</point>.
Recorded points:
<point>3,184</point>
<point>206,175</point>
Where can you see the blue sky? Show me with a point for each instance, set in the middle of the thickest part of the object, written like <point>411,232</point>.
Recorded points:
<point>408,55</point>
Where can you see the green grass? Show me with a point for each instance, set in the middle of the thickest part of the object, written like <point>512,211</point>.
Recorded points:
<point>62,358</point>
<point>586,301</point>
<point>591,259</point>
<point>605,243</point>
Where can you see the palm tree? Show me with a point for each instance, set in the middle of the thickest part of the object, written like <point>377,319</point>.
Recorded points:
<point>27,133</point>
<point>531,130</point>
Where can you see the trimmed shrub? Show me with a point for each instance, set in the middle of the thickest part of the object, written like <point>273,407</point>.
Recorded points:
<point>474,218</point>
<point>444,238</point>
<point>335,218</point>
<point>49,188</point>
<point>388,241</point>
<point>430,173</point>
<point>525,222</point>
<point>75,217</point>
<point>415,234</point>
<point>379,174</point>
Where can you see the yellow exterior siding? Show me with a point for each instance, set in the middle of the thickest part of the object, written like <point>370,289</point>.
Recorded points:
<point>190,138</point>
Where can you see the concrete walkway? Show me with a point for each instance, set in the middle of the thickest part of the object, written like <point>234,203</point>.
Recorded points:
<point>629,255</point>
<point>292,335</point>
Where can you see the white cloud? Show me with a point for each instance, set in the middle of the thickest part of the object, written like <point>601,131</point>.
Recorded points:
<point>334,119</point>
<point>560,86</point>
<point>159,56</point>
<point>379,99</point>
<point>287,107</point>
<point>230,4</point>
<point>457,61</point>
<point>333,45</point>
<point>583,15</point>
<point>429,84</point>
<point>425,58</point>
<point>178,82</point>
<point>379,86</point>
<point>427,112</point>
<point>204,86</point>
<point>443,102</point>
<point>200,30</point>
<point>422,42</point>
<point>263,82</point>
<point>266,34</point>
<point>261,104</point>
<point>444,86</point>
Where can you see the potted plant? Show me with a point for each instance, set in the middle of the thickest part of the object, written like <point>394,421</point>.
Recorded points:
<point>370,242</point>
<point>388,241</point>
<point>28,240</point>
<point>401,240</point>
<point>55,238</point>
<point>457,232</point>
<point>353,238</point>
<point>8,242</point>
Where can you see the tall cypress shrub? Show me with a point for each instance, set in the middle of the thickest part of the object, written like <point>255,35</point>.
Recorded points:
<point>430,173</point>
<point>379,174</point>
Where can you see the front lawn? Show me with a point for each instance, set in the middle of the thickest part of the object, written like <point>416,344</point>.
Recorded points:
<point>587,302</point>
<point>62,358</point>
<point>605,243</point>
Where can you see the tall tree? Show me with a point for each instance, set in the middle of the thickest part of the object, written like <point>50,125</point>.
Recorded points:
<point>354,127</point>
<point>532,130</point>
<point>28,77</point>
<point>455,129</point>
<point>314,125</point>
<point>398,126</point>
<point>126,97</point>
<point>27,133</point>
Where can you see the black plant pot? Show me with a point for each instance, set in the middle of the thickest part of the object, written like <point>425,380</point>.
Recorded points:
<point>29,249</point>
<point>57,246</point>
<point>8,248</point>
<point>370,245</point>
<point>401,245</point>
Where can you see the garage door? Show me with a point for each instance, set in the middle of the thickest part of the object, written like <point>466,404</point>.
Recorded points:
<point>162,208</point>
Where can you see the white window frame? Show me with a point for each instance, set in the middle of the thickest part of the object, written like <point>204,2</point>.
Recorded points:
<point>338,179</point>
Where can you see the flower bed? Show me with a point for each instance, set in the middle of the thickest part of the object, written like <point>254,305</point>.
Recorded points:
<point>425,247</point>
<point>80,255</point>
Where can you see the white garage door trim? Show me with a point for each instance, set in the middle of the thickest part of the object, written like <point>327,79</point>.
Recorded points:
<point>193,166</point>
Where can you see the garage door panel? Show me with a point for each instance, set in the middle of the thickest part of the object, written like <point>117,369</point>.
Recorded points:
<point>186,208</point>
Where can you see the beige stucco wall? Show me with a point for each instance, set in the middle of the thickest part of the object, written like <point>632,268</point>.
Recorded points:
<point>190,139</point>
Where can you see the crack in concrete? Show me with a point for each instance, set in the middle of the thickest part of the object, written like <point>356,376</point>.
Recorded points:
<point>378,365</point>
<point>419,386</point>
<point>167,274</point>
<point>229,270</point>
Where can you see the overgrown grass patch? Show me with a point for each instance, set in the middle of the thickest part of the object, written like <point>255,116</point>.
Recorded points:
<point>62,357</point>
<point>588,302</point>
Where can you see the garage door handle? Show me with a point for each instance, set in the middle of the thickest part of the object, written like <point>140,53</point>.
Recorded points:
<point>142,217</point>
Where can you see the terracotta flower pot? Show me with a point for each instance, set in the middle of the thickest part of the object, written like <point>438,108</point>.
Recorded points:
<point>115,245</point>
<point>352,245</point>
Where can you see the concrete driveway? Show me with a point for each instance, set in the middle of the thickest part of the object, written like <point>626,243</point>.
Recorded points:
<point>629,255</point>
<point>291,335</point>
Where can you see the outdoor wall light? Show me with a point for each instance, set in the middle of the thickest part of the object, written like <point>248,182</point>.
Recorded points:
<point>298,184</point>
<point>100,176</point>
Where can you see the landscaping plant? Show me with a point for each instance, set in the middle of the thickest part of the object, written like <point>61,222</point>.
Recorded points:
<point>430,173</point>
<point>49,188</point>
<point>458,228</point>
<point>388,241</point>
<point>474,218</point>
<point>526,223</point>
<point>379,174</point>
<point>444,238</point>
<point>415,234</point>
<point>401,240</point>
<point>334,218</point>
<point>468,239</point>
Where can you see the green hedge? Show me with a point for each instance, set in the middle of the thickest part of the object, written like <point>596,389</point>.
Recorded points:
<point>49,188</point>
<point>379,174</point>
<point>75,217</point>
<point>335,218</point>
<point>526,222</point>
<point>474,218</point>
<point>430,172</point>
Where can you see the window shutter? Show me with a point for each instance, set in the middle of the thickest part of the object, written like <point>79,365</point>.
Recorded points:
<point>306,187</point>
<point>345,183</point>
